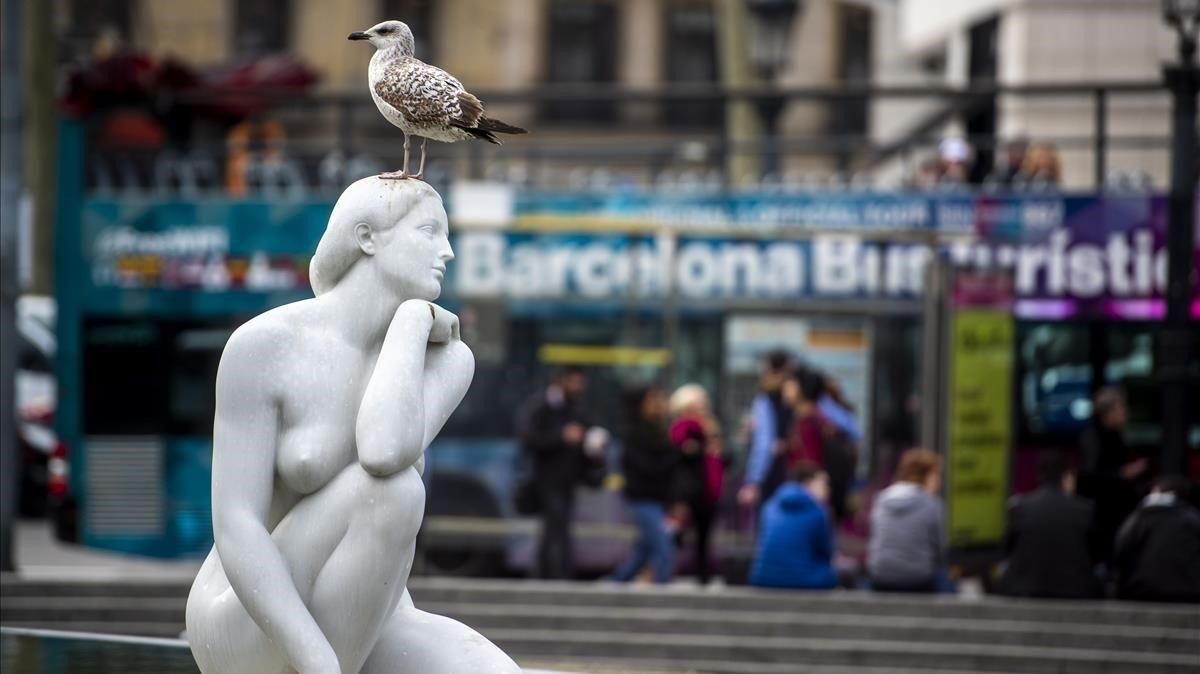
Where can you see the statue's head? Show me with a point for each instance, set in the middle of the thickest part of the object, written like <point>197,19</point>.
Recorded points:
<point>397,229</point>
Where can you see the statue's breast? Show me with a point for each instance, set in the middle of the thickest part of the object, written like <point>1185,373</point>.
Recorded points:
<point>317,420</point>
<point>312,454</point>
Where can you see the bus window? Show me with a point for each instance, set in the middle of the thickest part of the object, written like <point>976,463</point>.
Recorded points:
<point>124,377</point>
<point>1129,363</point>
<point>195,353</point>
<point>1055,378</point>
<point>507,374</point>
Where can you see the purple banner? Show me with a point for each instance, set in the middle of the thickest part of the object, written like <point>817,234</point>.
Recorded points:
<point>1100,256</point>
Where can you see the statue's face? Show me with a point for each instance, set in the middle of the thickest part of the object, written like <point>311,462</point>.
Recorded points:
<point>413,253</point>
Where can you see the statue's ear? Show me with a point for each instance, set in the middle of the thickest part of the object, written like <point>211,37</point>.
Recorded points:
<point>365,238</point>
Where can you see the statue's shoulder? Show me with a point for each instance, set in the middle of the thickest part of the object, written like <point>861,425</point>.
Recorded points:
<point>268,334</point>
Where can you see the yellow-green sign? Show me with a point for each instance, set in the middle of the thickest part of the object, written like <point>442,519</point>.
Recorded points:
<point>981,426</point>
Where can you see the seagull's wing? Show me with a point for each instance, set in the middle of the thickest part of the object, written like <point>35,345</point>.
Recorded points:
<point>426,95</point>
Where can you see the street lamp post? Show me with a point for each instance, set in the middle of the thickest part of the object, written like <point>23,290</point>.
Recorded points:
<point>10,193</point>
<point>1183,80</point>
<point>771,22</point>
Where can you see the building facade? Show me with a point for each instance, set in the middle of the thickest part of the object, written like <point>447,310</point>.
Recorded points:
<point>515,48</point>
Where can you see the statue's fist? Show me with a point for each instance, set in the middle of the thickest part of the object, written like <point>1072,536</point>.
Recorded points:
<point>445,325</point>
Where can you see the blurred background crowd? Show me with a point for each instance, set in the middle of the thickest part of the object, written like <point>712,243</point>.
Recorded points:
<point>1098,524</point>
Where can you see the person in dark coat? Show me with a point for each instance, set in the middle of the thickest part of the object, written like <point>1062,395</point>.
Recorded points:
<point>795,540</point>
<point>1158,547</point>
<point>1051,540</point>
<point>551,428</point>
<point>842,438</point>
<point>1112,475</point>
<point>650,463</point>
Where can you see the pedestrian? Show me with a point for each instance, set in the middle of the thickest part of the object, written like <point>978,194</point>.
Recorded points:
<point>907,550</point>
<point>956,156</point>
<point>1113,475</point>
<point>1051,539</point>
<point>551,427</point>
<point>1158,547</point>
<point>1009,173</point>
<point>841,439</point>
<point>770,425</point>
<point>697,434</point>
<point>795,540</point>
<point>1042,167</point>
<point>927,175</point>
<point>806,441</point>
<point>650,462</point>
<point>838,409</point>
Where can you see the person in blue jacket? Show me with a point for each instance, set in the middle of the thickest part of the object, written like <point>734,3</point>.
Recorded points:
<point>771,423</point>
<point>795,541</point>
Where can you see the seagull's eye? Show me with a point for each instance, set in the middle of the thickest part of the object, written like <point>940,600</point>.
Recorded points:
<point>384,31</point>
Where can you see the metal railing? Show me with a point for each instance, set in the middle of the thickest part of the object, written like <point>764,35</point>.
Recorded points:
<point>33,651</point>
<point>339,136</point>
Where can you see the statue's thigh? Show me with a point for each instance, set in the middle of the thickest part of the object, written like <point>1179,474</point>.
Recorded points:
<point>414,641</point>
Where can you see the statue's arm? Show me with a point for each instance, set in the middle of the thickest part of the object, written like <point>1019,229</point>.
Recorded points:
<point>390,429</point>
<point>244,440</point>
<point>449,369</point>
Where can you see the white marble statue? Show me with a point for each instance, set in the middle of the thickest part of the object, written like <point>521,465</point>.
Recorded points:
<point>324,410</point>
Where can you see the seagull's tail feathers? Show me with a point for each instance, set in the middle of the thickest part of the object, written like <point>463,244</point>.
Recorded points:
<point>487,128</point>
<point>479,133</point>
<point>489,124</point>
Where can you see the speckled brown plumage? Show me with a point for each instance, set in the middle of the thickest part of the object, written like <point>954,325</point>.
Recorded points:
<point>422,100</point>
<point>431,102</point>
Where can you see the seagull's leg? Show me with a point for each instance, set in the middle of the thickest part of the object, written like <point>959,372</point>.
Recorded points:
<point>402,173</point>
<point>421,169</point>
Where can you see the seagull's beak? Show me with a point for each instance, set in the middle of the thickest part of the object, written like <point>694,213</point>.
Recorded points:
<point>358,35</point>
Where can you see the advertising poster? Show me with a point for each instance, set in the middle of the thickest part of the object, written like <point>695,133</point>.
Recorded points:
<point>980,409</point>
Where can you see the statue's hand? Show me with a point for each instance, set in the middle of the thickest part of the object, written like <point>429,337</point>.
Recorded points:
<point>445,326</point>
<point>442,324</point>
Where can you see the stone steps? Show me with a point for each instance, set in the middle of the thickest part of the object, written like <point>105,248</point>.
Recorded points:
<point>850,653</point>
<point>445,590</point>
<point>49,609</point>
<point>820,626</point>
<point>164,616</point>
<point>86,654</point>
<point>605,665</point>
<point>453,590</point>
<point>729,631</point>
<point>153,628</point>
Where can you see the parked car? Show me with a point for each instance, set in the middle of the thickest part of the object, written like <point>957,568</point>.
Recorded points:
<point>43,487</point>
<point>35,395</point>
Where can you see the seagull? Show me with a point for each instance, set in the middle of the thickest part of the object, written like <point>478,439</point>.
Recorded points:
<point>421,99</point>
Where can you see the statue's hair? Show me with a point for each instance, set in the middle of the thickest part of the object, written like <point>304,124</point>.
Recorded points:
<point>378,203</point>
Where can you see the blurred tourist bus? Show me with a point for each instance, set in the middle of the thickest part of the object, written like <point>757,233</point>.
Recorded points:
<point>631,284</point>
